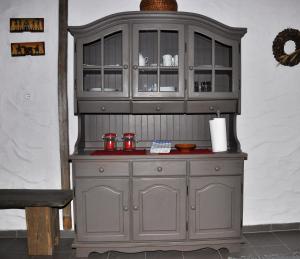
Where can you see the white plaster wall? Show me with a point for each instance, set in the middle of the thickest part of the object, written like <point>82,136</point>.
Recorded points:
<point>268,127</point>
<point>29,153</point>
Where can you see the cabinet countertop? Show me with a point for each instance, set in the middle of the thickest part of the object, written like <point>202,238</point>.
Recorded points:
<point>86,155</point>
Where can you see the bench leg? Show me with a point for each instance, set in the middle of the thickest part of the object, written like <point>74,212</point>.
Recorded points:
<point>42,230</point>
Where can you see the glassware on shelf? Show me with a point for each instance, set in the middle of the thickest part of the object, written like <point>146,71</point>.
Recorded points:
<point>110,141</point>
<point>128,141</point>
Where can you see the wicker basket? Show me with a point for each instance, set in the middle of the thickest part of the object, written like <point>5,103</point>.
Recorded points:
<point>158,5</point>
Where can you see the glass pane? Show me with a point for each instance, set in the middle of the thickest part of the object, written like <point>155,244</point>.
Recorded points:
<point>223,55</point>
<point>168,81</point>
<point>148,42</point>
<point>203,81</point>
<point>202,50</point>
<point>92,53</point>
<point>113,49</point>
<point>112,80</point>
<point>92,80</point>
<point>223,81</point>
<point>169,48</point>
<point>148,81</point>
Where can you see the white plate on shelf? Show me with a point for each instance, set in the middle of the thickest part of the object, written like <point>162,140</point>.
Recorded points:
<point>167,88</point>
<point>95,89</point>
<point>109,90</point>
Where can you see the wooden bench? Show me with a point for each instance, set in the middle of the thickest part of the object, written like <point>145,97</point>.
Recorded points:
<point>42,218</point>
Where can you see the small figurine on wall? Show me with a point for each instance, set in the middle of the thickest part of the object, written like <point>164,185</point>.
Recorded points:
<point>27,48</point>
<point>26,24</point>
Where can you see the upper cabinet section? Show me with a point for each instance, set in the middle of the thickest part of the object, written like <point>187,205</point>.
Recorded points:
<point>102,64</point>
<point>163,55</point>
<point>213,65</point>
<point>158,60</point>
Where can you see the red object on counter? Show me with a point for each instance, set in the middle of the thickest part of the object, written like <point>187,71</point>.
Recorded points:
<point>144,152</point>
<point>128,141</point>
<point>110,141</point>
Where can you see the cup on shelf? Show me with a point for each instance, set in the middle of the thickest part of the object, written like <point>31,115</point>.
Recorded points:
<point>175,61</point>
<point>143,60</point>
<point>167,60</point>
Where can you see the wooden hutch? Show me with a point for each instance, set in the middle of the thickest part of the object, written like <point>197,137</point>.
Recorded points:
<point>135,202</point>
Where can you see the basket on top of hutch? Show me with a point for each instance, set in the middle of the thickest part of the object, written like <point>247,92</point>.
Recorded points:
<point>161,75</point>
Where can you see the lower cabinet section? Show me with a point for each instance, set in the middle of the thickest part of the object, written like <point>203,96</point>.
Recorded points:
<point>102,209</point>
<point>182,207</point>
<point>215,207</point>
<point>159,209</point>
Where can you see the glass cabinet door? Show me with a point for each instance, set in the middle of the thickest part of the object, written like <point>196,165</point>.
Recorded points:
<point>158,61</point>
<point>212,69</point>
<point>104,66</point>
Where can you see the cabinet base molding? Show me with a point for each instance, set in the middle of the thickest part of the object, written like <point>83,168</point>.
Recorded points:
<point>83,249</point>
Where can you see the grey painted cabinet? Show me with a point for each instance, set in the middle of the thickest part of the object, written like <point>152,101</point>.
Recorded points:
<point>162,76</point>
<point>215,207</point>
<point>159,208</point>
<point>102,212</point>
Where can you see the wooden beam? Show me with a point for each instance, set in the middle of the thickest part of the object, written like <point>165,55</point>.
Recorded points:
<point>63,105</point>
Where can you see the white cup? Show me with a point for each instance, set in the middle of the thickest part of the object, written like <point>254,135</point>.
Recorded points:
<point>167,60</point>
<point>142,60</point>
<point>175,62</point>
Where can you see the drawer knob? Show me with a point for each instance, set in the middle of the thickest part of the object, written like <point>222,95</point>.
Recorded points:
<point>217,168</point>
<point>103,108</point>
<point>135,67</point>
<point>135,207</point>
<point>193,207</point>
<point>125,66</point>
<point>125,208</point>
<point>101,170</point>
<point>191,68</point>
<point>211,108</point>
<point>159,169</point>
<point>157,108</point>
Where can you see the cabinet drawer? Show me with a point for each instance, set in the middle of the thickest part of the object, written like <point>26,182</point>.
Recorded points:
<point>211,106</point>
<point>101,169</point>
<point>216,167</point>
<point>157,107</point>
<point>103,107</point>
<point>159,168</point>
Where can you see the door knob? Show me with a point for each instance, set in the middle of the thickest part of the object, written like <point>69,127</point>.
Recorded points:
<point>191,68</point>
<point>125,66</point>
<point>135,67</point>
<point>193,207</point>
<point>159,169</point>
<point>125,208</point>
<point>135,207</point>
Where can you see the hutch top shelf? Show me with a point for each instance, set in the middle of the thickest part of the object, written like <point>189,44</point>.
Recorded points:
<point>140,56</point>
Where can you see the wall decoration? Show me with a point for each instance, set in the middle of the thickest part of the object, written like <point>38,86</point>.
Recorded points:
<point>283,58</point>
<point>27,48</point>
<point>27,24</point>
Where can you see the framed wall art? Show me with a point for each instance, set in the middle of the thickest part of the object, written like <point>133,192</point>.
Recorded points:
<point>27,49</point>
<point>26,24</point>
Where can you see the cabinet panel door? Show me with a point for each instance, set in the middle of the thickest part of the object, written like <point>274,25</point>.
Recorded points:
<point>158,60</point>
<point>215,207</point>
<point>102,68</point>
<point>213,65</point>
<point>159,211</point>
<point>102,209</point>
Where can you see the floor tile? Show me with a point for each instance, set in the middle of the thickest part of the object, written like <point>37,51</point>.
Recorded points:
<point>164,255</point>
<point>262,239</point>
<point>205,253</point>
<point>98,256</point>
<point>118,255</point>
<point>272,250</point>
<point>289,238</point>
<point>245,251</point>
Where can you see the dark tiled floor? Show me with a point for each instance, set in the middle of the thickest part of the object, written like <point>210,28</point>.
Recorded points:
<point>281,244</point>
